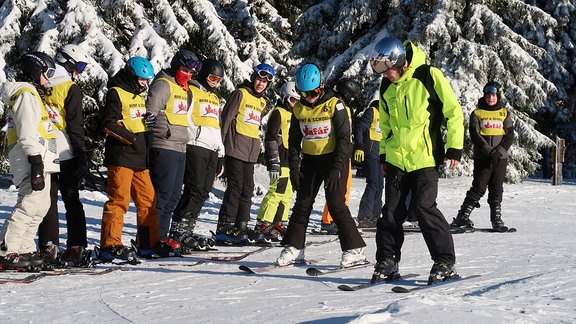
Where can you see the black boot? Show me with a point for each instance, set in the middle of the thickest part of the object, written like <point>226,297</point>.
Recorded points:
<point>463,217</point>
<point>496,216</point>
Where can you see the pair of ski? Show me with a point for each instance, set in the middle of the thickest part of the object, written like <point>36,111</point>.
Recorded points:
<point>220,257</point>
<point>403,289</point>
<point>58,272</point>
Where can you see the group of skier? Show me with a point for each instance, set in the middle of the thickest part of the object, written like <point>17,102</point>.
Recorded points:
<point>177,136</point>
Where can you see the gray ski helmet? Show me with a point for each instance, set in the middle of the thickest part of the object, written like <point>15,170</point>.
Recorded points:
<point>388,52</point>
<point>348,89</point>
<point>33,64</point>
<point>288,90</point>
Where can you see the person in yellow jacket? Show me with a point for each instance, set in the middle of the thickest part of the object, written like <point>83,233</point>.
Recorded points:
<point>33,157</point>
<point>415,100</point>
<point>320,133</point>
<point>240,124</point>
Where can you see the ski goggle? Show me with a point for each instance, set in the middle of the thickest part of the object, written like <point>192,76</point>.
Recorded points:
<point>80,66</point>
<point>380,66</point>
<point>49,73</point>
<point>490,89</point>
<point>193,65</point>
<point>213,78</point>
<point>310,94</point>
<point>266,75</point>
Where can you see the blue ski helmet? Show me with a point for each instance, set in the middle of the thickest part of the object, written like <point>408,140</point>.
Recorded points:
<point>263,70</point>
<point>141,67</point>
<point>308,77</point>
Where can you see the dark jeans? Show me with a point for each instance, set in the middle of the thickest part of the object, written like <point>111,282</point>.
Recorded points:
<point>315,171</point>
<point>423,184</point>
<point>237,200</point>
<point>198,181</point>
<point>75,216</point>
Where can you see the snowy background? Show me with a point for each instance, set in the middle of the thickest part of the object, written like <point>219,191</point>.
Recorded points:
<point>527,277</point>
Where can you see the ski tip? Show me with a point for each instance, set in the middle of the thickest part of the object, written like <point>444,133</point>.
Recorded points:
<point>346,288</point>
<point>398,289</point>
<point>246,269</point>
<point>313,272</point>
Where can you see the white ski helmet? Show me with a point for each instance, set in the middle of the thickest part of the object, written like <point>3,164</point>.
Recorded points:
<point>72,57</point>
<point>288,90</point>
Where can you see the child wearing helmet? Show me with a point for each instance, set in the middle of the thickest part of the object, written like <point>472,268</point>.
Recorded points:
<point>204,156</point>
<point>64,103</point>
<point>492,133</point>
<point>31,145</point>
<point>273,212</point>
<point>126,157</point>
<point>170,99</point>
<point>320,133</point>
<point>240,123</point>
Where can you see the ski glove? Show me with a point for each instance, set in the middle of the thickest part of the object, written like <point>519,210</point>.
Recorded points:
<point>149,119</point>
<point>333,179</point>
<point>295,176</point>
<point>81,167</point>
<point>359,155</point>
<point>37,172</point>
<point>220,167</point>
<point>274,169</point>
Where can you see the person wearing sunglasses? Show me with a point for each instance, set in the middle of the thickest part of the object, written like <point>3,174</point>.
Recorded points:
<point>204,156</point>
<point>169,100</point>
<point>320,132</point>
<point>415,100</point>
<point>31,146</point>
<point>492,133</point>
<point>64,103</point>
<point>273,212</point>
<point>240,124</point>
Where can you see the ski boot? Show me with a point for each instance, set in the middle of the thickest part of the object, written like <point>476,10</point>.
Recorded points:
<point>160,250</point>
<point>331,228</point>
<point>463,217</point>
<point>384,270</point>
<point>290,255</point>
<point>353,257</point>
<point>77,256</point>
<point>496,217</point>
<point>15,261</point>
<point>268,231</point>
<point>49,255</point>
<point>120,252</point>
<point>229,234</point>
<point>442,271</point>
<point>281,228</point>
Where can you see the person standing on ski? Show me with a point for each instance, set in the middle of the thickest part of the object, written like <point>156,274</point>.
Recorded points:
<point>320,132</point>
<point>415,100</point>
<point>273,212</point>
<point>169,99</point>
<point>33,157</point>
<point>204,156</point>
<point>492,133</point>
<point>64,103</point>
<point>240,123</point>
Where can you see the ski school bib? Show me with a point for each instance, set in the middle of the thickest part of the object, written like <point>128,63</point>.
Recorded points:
<point>375,130</point>
<point>285,117</point>
<point>133,107</point>
<point>45,127</point>
<point>316,126</point>
<point>55,104</point>
<point>249,112</point>
<point>205,111</point>
<point>177,105</point>
<point>491,121</point>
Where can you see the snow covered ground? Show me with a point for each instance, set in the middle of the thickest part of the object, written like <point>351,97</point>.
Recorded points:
<point>527,277</point>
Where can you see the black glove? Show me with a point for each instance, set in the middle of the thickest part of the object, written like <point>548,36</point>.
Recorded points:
<point>220,167</point>
<point>295,176</point>
<point>149,119</point>
<point>333,179</point>
<point>274,169</point>
<point>494,156</point>
<point>37,172</point>
<point>81,167</point>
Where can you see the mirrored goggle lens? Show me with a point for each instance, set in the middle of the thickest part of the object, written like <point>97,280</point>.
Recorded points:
<point>310,94</point>
<point>194,65</point>
<point>491,89</point>
<point>381,66</point>
<point>214,78</point>
<point>81,66</point>
<point>266,75</point>
<point>49,73</point>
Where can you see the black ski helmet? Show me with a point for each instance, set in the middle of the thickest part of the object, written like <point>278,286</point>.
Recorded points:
<point>33,64</point>
<point>210,66</point>
<point>185,58</point>
<point>348,89</point>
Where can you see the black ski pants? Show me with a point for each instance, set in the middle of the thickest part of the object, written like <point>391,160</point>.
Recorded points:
<point>487,175</point>
<point>237,199</point>
<point>423,185</point>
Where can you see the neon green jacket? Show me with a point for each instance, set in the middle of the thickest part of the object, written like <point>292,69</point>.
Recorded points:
<point>412,111</point>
